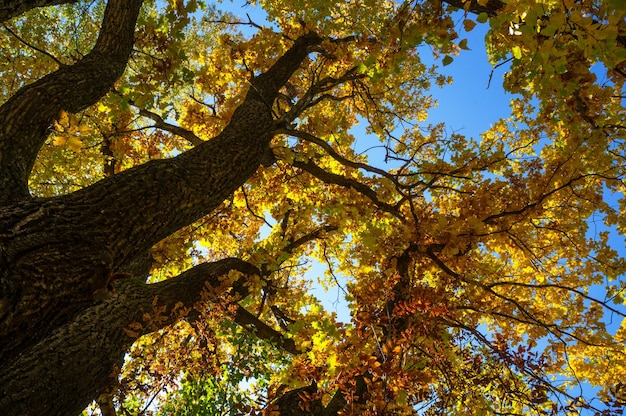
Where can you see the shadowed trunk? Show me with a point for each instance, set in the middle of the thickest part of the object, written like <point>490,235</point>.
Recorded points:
<point>58,343</point>
<point>72,365</point>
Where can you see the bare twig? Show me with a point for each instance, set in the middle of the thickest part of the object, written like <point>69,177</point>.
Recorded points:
<point>30,45</point>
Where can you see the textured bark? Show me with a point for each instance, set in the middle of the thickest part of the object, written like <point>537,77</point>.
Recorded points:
<point>73,364</point>
<point>60,345</point>
<point>27,116</point>
<point>12,8</point>
<point>56,251</point>
<point>28,227</point>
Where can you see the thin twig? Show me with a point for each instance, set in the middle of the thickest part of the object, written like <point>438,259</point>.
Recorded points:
<point>48,54</point>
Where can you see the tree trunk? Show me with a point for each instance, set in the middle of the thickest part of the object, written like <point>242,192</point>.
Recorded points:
<point>56,252</point>
<point>59,345</point>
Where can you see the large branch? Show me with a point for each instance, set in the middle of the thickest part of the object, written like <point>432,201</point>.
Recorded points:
<point>11,8</point>
<point>259,328</point>
<point>26,117</point>
<point>56,251</point>
<point>139,207</point>
<point>71,366</point>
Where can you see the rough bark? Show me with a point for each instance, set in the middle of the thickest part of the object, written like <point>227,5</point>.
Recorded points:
<point>27,226</point>
<point>73,364</point>
<point>27,116</point>
<point>56,251</point>
<point>11,8</point>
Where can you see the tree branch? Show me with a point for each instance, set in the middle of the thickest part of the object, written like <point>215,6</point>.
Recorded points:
<point>177,130</point>
<point>259,328</point>
<point>121,217</point>
<point>11,8</point>
<point>186,288</point>
<point>19,38</point>
<point>332,153</point>
<point>329,177</point>
<point>134,310</point>
<point>26,117</point>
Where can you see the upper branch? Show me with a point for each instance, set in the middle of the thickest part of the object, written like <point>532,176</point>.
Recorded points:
<point>10,8</point>
<point>26,117</point>
<point>139,207</point>
<point>265,87</point>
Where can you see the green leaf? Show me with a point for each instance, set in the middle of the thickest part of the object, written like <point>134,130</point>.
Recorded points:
<point>447,60</point>
<point>482,18</point>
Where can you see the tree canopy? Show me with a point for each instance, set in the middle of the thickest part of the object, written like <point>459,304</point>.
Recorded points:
<point>174,181</point>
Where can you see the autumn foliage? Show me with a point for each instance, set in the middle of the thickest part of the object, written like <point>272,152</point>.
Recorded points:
<point>483,274</point>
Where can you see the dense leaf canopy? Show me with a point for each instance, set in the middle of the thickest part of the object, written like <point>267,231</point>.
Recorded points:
<point>198,174</point>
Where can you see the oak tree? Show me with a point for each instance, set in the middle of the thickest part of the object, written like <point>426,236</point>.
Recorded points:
<point>169,174</point>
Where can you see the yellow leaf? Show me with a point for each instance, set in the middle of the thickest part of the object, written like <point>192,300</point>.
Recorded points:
<point>103,108</point>
<point>64,118</point>
<point>59,140</point>
<point>74,143</point>
<point>468,25</point>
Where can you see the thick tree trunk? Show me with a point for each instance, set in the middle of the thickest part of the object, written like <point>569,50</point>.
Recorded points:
<point>56,252</point>
<point>58,345</point>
